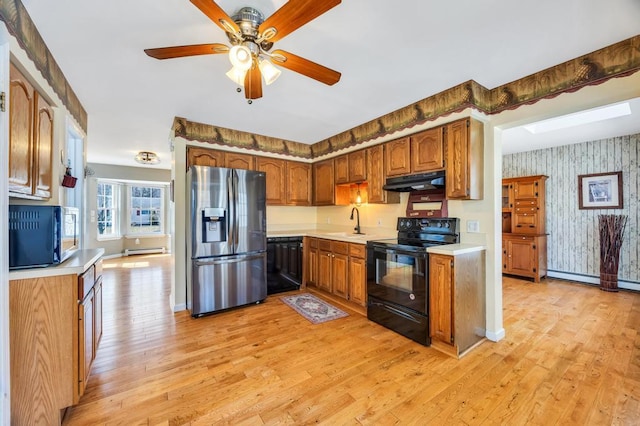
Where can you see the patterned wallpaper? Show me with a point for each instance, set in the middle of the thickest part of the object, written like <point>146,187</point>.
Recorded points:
<point>573,242</point>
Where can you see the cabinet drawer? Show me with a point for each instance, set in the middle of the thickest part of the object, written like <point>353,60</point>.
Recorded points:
<point>86,281</point>
<point>518,238</point>
<point>340,248</point>
<point>526,210</point>
<point>357,250</point>
<point>324,244</point>
<point>526,203</point>
<point>525,222</point>
<point>313,243</point>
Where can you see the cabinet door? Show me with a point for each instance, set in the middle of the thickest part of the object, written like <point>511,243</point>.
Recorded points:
<point>521,256</point>
<point>397,157</point>
<point>234,160</point>
<point>358,166</point>
<point>465,159</point>
<point>457,160</point>
<point>324,270</point>
<point>358,281</point>
<point>298,183</point>
<point>275,171</point>
<point>97,317</point>
<point>340,274</point>
<point>507,197</point>
<point>21,149</point>
<point>376,177</point>
<point>204,157</point>
<point>525,189</point>
<point>323,183</point>
<point>43,142</point>
<point>312,265</point>
<point>341,169</point>
<point>85,340</point>
<point>427,150</point>
<point>441,297</point>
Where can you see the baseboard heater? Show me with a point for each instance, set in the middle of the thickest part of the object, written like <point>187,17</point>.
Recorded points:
<point>131,252</point>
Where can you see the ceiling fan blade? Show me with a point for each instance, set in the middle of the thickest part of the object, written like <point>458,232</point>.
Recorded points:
<point>253,83</point>
<point>305,67</point>
<point>217,15</point>
<point>294,14</point>
<point>191,50</point>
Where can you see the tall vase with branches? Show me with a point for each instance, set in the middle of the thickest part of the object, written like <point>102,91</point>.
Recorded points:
<point>611,235</point>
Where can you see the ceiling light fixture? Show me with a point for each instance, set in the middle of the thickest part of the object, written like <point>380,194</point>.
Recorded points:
<point>579,118</point>
<point>269,72</point>
<point>147,157</point>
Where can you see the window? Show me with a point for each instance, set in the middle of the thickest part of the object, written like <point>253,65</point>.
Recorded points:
<point>146,212</point>
<point>107,210</point>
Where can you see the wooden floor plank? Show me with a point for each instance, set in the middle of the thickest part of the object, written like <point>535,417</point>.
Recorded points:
<point>571,355</point>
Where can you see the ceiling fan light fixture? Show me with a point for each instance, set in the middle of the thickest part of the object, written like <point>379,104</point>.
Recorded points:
<point>240,57</point>
<point>237,75</point>
<point>269,72</point>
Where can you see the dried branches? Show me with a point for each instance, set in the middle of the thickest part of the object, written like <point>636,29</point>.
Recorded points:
<point>611,234</point>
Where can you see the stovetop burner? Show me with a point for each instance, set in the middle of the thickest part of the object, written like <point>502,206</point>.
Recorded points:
<point>416,234</point>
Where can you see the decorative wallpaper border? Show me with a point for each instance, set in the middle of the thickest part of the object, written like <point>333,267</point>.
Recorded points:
<point>617,60</point>
<point>20,25</point>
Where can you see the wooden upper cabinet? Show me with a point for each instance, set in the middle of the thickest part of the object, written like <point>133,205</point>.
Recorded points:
<point>427,150</point>
<point>358,166</point>
<point>21,143</point>
<point>397,157</point>
<point>323,183</point>
<point>376,177</point>
<point>341,169</point>
<point>275,170</point>
<point>204,157</point>
<point>234,160</point>
<point>43,148</point>
<point>298,183</point>
<point>464,139</point>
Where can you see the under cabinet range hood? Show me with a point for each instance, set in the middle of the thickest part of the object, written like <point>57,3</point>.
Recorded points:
<point>419,182</point>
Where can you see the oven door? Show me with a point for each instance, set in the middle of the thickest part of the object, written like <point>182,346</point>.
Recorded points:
<point>398,276</point>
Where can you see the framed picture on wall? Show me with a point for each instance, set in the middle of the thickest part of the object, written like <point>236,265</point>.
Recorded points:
<point>600,191</point>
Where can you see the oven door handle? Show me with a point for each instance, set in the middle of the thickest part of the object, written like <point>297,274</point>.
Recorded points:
<point>395,311</point>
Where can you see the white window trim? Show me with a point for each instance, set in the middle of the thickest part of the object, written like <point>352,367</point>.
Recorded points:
<point>161,232</point>
<point>117,234</point>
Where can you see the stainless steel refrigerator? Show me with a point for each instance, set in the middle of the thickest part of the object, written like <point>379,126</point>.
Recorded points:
<point>227,239</point>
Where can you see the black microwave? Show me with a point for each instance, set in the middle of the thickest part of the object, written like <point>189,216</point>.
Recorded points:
<point>42,235</point>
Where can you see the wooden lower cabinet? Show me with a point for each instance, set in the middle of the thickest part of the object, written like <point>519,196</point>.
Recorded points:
<point>358,274</point>
<point>336,267</point>
<point>54,333</point>
<point>457,309</point>
<point>524,255</point>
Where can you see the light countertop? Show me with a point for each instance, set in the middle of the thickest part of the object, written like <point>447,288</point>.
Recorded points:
<point>349,237</point>
<point>455,249</point>
<point>79,262</point>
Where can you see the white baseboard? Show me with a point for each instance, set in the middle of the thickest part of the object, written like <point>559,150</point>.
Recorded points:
<point>590,279</point>
<point>180,307</point>
<point>495,336</point>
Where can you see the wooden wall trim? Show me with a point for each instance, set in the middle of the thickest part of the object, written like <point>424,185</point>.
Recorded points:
<point>617,60</point>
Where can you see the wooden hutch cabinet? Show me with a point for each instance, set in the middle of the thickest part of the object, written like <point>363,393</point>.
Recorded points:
<point>524,240</point>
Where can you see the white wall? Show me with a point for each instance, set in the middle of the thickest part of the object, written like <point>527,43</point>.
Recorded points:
<point>5,405</point>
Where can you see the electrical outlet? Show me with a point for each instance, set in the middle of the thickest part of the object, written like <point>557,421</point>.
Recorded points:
<point>473,226</point>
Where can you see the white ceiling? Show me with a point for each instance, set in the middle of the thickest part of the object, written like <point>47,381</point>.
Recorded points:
<point>390,54</point>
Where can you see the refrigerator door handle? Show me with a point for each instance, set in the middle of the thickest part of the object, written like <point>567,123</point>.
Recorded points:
<point>231,207</point>
<point>236,225</point>
<point>227,260</point>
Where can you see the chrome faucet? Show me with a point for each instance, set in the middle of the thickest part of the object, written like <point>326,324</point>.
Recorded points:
<point>357,228</point>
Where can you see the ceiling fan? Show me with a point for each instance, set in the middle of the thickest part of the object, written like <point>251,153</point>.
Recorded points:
<point>252,37</point>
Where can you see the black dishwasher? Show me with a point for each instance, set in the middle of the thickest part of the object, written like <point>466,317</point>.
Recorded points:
<point>284,264</point>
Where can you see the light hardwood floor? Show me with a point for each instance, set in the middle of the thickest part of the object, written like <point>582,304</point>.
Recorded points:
<point>571,356</point>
